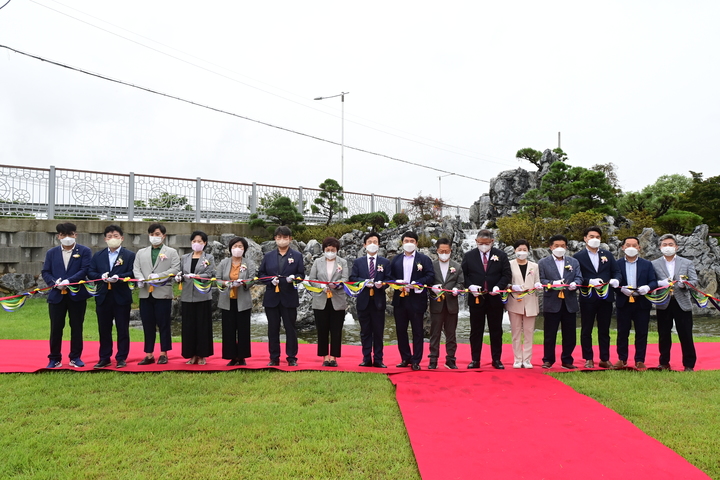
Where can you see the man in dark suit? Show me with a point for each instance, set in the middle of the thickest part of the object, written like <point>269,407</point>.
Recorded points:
<point>410,303</point>
<point>284,265</point>
<point>486,270</point>
<point>444,305</point>
<point>559,306</point>
<point>637,279</point>
<point>371,269</point>
<point>598,266</point>
<point>114,297</point>
<point>63,265</point>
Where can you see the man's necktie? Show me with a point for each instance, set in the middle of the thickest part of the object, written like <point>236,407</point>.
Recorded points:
<point>485,266</point>
<point>372,268</point>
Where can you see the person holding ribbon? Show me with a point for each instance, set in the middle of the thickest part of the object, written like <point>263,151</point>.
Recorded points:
<point>153,267</point>
<point>330,303</point>
<point>64,265</point>
<point>637,279</point>
<point>197,268</point>
<point>522,307</point>
<point>113,300</point>
<point>235,302</point>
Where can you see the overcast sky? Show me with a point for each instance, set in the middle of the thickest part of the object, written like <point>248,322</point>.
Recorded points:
<point>456,85</point>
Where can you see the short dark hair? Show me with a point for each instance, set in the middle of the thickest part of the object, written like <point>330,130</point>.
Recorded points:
<point>409,234</point>
<point>283,231</point>
<point>235,240</point>
<point>557,238</point>
<point>485,233</point>
<point>370,235</point>
<point>199,233</point>
<point>594,228</point>
<point>330,242</point>
<point>113,228</point>
<point>66,228</point>
<point>155,226</point>
<point>521,241</point>
<point>443,241</point>
<point>629,238</point>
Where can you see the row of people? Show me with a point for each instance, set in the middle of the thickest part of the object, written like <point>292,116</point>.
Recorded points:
<point>486,271</point>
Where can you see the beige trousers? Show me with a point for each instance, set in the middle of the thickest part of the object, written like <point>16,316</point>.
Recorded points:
<point>522,325</point>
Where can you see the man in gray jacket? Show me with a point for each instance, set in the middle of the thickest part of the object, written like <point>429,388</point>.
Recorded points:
<point>668,268</point>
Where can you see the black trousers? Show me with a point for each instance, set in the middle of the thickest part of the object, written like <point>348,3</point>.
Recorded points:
<point>372,333</point>
<point>627,315</point>
<point>403,318</point>
<point>235,332</point>
<point>107,312</point>
<point>197,334</point>
<point>155,315</point>
<point>683,325</point>
<point>490,308</point>
<point>329,323</point>
<point>439,322</point>
<point>602,310</point>
<point>75,312</point>
<point>567,322</point>
<point>288,316</point>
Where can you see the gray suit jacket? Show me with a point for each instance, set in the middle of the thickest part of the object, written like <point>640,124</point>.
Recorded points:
<point>168,262</point>
<point>549,273</point>
<point>205,268</point>
<point>339,274</point>
<point>683,267</point>
<point>244,298</point>
<point>453,280</point>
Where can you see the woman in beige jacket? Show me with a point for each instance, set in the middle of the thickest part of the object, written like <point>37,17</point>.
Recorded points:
<point>522,311</point>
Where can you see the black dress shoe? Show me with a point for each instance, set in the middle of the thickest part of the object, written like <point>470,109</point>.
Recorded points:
<point>232,363</point>
<point>274,363</point>
<point>403,364</point>
<point>326,363</point>
<point>416,366</point>
<point>162,360</point>
<point>120,364</point>
<point>241,362</point>
<point>102,364</point>
<point>379,365</point>
<point>333,363</point>
<point>365,364</point>
<point>688,369</point>
<point>147,361</point>
<point>292,363</point>
<point>450,364</point>
<point>432,366</point>
<point>474,365</point>
<point>498,364</point>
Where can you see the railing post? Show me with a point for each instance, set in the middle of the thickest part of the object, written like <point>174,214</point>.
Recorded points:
<point>51,194</point>
<point>131,197</point>
<point>300,200</point>
<point>253,199</point>
<point>372,203</point>
<point>198,200</point>
<point>398,205</point>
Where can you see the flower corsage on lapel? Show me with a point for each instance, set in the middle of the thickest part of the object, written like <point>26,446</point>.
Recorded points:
<point>77,255</point>
<point>419,267</point>
<point>569,268</point>
<point>162,257</point>
<point>206,262</point>
<point>243,267</point>
<point>452,270</point>
<point>494,258</point>
<point>603,259</point>
<point>119,262</point>
<point>380,268</point>
<point>339,268</point>
<point>291,260</point>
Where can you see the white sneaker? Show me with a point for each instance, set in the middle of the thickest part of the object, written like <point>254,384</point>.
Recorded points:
<point>517,365</point>
<point>527,365</point>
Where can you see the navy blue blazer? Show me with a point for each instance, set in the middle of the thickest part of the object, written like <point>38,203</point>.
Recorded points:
<point>645,275</point>
<point>288,295</point>
<point>360,273</point>
<point>606,270</point>
<point>425,275</point>
<point>552,303</point>
<point>77,270</point>
<point>123,268</point>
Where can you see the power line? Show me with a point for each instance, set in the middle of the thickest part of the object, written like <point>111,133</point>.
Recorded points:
<point>215,109</point>
<point>5,4</point>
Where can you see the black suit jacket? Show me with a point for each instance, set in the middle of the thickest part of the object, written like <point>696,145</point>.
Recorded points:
<point>422,272</point>
<point>288,295</point>
<point>99,265</point>
<point>498,273</point>
<point>645,275</point>
<point>54,268</point>
<point>607,269</point>
<point>360,273</point>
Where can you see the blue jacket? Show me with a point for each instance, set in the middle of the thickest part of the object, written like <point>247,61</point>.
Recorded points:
<point>54,268</point>
<point>288,295</point>
<point>360,273</point>
<point>549,273</point>
<point>607,269</point>
<point>422,272</point>
<point>123,268</point>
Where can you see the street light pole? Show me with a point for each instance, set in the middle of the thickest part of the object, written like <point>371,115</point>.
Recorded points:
<point>440,183</point>
<point>342,134</point>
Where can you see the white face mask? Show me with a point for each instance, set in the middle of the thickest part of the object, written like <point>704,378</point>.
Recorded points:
<point>522,254</point>
<point>67,241</point>
<point>409,247</point>
<point>198,247</point>
<point>559,252</point>
<point>372,248</point>
<point>330,255</point>
<point>444,257</point>
<point>238,252</point>
<point>631,252</point>
<point>484,248</point>
<point>668,251</point>
<point>593,243</point>
<point>155,240</point>
<point>282,243</point>
<point>114,242</point>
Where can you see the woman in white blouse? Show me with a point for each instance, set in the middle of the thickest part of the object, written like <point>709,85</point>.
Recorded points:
<point>522,311</point>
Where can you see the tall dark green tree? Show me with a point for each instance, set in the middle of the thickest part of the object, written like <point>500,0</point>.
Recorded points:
<point>703,198</point>
<point>329,201</point>
<point>284,212</point>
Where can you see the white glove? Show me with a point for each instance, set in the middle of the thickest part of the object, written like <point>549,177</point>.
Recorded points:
<point>332,285</point>
<point>400,282</point>
<point>152,277</point>
<point>178,278</point>
<point>614,283</point>
<point>105,276</point>
<point>113,279</point>
<point>378,284</point>
<point>495,290</point>
<point>140,284</point>
<point>572,286</point>
<point>417,290</point>
<point>455,292</point>
<point>626,291</point>
<point>290,278</point>
<point>557,282</point>
<point>516,288</point>
<point>594,282</point>
<point>538,285</point>
<point>275,281</point>
<point>474,289</point>
<point>436,289</point>
<point>237,283</point>
<point>681,284</point>
<point>643,290</point>
<point>60,284</point>
<point>663,283</point>
<point>368,283</point>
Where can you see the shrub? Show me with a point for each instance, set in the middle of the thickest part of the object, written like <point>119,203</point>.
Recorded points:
<point>376,219</point>
<point>679,221</point>
<point>320,232</point>
<point>578,222</point>
<point>401,218</point>
<point>637,221</point>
